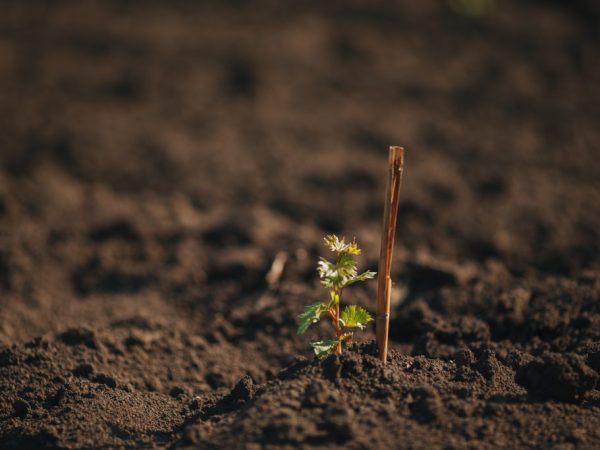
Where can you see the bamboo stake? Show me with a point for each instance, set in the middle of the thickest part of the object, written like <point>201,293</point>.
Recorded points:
<point>388,233</point>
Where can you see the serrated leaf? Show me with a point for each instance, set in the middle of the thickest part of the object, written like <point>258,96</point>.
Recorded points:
<point>331,282</point>
<point>346,266</point>
<point>362,277</point>
<point>355,316</point>
<point>311,314</point>
<point>326,268</point>
<point>338,274</point>
<point>324,348</point>
<point>366,275</point>
<point>329,274</point>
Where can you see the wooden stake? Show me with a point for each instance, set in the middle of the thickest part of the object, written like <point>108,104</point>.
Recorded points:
<point>388,233</point>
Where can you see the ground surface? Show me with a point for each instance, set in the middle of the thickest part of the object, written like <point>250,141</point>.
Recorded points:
<point>154,161</point>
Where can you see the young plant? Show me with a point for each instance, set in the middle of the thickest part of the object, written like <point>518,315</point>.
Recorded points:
<point>335,276</point>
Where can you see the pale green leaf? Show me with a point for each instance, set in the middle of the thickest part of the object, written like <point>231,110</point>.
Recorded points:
<point>339,274</point>
<point>329,274</point>
<point>362,277</point>
<point>324,348</point>
<point>326,268</point>
<point>355,316</point>
<point>346,266</point>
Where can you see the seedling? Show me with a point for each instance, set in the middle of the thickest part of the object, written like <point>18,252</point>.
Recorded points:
<point>336,276</point>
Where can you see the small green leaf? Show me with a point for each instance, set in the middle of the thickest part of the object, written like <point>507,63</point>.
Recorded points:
<point>324,348</point>
<point>329,274</point>
<point>346,266</point>
<point>326,268</point>
<point>367,275</point>
<point>337,275</point>
<point>355,316</point>
<point>362,277</point>
<point>312,314</point>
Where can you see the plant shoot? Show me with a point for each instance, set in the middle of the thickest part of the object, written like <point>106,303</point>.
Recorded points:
<point>335,277</point>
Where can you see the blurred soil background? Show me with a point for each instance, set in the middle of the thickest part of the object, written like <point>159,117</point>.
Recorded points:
<point>156,157</point>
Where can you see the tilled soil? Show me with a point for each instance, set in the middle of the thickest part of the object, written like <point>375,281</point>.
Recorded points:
<point>156,159</point>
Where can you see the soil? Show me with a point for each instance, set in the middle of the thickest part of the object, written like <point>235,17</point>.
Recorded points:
<point>157,158</point>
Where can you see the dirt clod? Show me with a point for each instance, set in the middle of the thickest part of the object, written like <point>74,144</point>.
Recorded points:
<point>21,408</point>
<point>78,336</point>
<point>106,380</point>
<point>427,405</point>
<point>557,377</point>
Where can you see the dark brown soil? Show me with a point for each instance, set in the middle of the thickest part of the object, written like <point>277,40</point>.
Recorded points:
<point>155,158</point>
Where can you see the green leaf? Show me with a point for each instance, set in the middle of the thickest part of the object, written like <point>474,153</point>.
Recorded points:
<point>312,314</point>
<point>329,274</point>
<point>324,348</point>
<point>337,275</point>
<point>355,316</point>
<point>326,268</point>
<point>362,277</point>
<point>346,266</point>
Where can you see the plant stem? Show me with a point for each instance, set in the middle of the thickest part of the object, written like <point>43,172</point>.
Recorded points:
<point>338,328</point>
